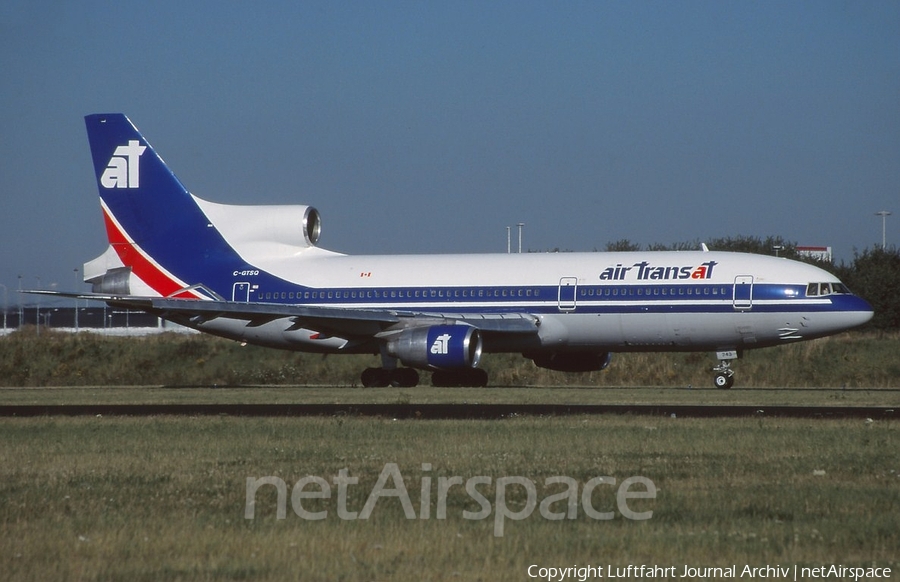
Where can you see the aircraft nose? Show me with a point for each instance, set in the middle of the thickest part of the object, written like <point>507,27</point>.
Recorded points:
<point>859,311</point>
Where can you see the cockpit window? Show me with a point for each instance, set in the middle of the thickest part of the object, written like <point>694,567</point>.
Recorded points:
<point>840,289</point>
<point>822,289</point>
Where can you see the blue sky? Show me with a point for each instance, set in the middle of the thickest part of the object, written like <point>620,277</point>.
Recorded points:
<point>423,127</point>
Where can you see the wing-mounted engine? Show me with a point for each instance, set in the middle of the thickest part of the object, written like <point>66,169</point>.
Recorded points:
<point>439,347</point>
<point>572,361</point>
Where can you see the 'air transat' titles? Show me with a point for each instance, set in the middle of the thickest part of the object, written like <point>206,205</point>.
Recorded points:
<point>644,271</point>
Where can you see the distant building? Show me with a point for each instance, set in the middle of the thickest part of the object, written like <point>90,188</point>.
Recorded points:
<point>817,253</point>
<point>88,319</point>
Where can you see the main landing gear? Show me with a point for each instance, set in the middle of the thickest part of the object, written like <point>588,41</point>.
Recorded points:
<point>390,374</point>
<point>459,378</point>
<point>409,377</point>
<point>724,378</point>
<point>383,377</point>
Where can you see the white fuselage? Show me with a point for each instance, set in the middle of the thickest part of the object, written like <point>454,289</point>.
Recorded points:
<point>644,301</point>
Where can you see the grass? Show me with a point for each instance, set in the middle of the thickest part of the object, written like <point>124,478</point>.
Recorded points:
<point>851,360</point>
<point>164,498</point>
<point>761,397</point>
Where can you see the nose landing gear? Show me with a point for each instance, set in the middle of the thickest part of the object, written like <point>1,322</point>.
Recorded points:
<point>724,375</point>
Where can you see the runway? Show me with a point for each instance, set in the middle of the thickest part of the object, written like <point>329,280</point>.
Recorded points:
<point>450,411</point>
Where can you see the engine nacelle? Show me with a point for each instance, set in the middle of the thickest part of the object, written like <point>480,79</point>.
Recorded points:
<point>290,225</point>
<point>439,347</point>
<point>572,361</point>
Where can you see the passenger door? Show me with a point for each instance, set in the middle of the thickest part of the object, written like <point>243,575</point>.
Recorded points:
<point>743,292</point>
<point>566,297</point>
<point>241,292</point>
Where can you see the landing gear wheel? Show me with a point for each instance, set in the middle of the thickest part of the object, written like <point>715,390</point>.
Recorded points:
<point>478,377</point>
<point>375,378</point>
<point>382,377</point>
<point>474,377</point>
<point>724,381</point>
<point>724,375</point>
<point>404,378</point>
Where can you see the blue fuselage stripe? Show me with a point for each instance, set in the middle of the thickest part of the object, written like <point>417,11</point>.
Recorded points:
<point>660,298</point>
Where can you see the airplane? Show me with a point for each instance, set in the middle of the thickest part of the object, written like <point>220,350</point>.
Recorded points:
<point>255,274</point>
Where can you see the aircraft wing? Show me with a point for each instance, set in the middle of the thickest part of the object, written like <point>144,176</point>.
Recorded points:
<point>342,322</point>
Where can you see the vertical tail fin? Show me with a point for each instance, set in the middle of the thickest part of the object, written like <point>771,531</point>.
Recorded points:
<point>154,225</point>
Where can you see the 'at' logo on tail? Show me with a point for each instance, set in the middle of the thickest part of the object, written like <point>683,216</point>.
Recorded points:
<point>123,170</point>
